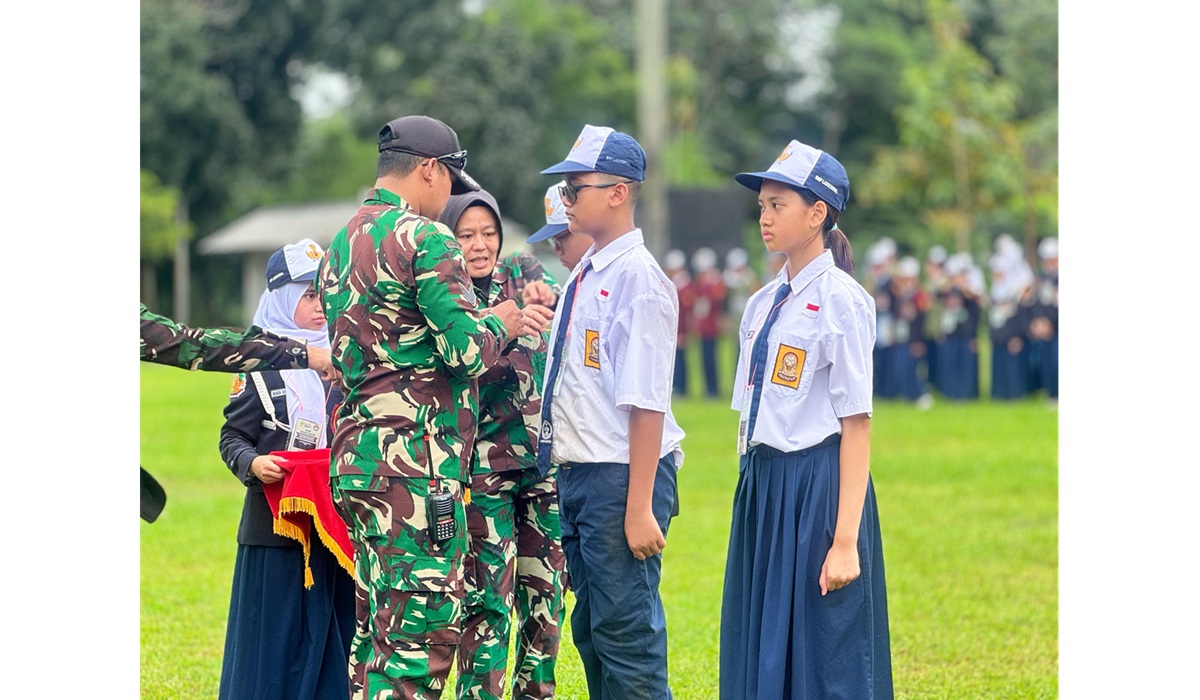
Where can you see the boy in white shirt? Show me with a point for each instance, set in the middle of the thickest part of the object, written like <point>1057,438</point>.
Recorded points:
<point>606,420</point>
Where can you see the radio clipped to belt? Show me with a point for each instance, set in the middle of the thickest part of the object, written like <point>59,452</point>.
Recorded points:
<point>439,505</point>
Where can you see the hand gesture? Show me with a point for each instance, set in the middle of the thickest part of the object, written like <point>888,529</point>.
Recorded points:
<point>538,292</point>
<point>510,316</point>
<point>536,319</point>
<point>267,469</point>
<point>644,537</point>
<point>319,360</point>
<point>840,568</point>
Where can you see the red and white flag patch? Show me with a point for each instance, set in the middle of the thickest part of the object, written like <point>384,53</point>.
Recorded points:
<point>811,309</point>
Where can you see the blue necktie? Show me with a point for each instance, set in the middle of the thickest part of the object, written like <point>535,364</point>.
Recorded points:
<point>758,356</point>
<point>546,431</point>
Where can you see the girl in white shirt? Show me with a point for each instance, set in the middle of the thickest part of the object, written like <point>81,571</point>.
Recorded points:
<point>804,612</point>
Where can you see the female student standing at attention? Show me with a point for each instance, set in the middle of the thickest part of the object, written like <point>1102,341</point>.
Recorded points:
<point>804,609</point>
<point>283,641</point>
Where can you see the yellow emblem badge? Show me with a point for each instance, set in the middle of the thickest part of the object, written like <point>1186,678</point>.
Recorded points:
<point>789,364</point>
<point>591,355</point>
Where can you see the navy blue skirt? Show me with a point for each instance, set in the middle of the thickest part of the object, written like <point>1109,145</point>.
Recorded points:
<point>779,637</point>
<point>285,642</point>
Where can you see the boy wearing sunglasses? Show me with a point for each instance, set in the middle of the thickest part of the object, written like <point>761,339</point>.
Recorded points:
<point>606,421</point>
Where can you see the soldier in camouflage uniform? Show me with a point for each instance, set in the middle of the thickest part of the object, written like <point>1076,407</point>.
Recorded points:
<point>166,342</point>
<point>512,517</point>
<point>409,344</point>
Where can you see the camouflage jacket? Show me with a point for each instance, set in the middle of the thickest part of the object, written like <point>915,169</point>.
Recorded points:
<point>409,342</point>
<point>168,343</point>
<point>510,393</point>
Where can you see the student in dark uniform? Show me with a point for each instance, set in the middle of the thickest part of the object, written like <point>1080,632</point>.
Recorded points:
<point>804,607</point>
<point>881,258</point>
<point>1010,353</point>
<point>906,362</point>
<point>283,641</point>
<point>958,348</point>
<point>1040,310</point>
<point>934,282</point>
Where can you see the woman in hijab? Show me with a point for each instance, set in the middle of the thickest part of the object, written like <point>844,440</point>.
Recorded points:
<point>515,563</point>
<point>283,641</point>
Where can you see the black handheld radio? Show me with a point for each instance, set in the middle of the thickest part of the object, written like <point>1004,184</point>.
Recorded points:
<point>439,505</point>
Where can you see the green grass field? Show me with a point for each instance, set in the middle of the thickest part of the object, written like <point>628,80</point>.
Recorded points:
<point>968,501</point>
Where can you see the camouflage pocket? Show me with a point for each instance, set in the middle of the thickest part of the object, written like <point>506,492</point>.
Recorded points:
<point>421,617</point>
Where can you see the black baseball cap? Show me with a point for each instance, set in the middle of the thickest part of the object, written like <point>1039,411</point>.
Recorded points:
<point>431,138</point>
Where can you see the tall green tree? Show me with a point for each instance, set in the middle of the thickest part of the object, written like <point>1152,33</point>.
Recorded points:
<point>162,229</point>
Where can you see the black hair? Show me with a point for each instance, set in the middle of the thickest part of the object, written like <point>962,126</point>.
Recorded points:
<point>396,163</point>
<point>835,238</point>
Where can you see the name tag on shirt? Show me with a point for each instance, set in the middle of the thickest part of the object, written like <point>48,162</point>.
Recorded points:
<point>306,432</point>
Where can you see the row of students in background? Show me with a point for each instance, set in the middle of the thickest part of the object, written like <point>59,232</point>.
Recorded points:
<point>711,299</point>
<point>929,322</point>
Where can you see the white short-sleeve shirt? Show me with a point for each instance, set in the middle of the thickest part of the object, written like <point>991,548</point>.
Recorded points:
<point>620,354</point>
<point>818,368</point>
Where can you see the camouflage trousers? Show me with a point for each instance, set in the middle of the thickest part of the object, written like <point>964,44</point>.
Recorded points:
<point>515,564</point>
<point>408,589</point>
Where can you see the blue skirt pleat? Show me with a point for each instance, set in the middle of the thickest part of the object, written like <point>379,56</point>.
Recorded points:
<point>282,641</point>
<point>780,639</point>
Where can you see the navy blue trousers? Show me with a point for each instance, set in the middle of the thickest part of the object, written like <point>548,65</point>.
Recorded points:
<point>780,638</point>
<point>618,623</point>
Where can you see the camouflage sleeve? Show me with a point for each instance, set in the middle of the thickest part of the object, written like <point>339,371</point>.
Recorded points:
<point>468,340</point>
<point>165,342</point>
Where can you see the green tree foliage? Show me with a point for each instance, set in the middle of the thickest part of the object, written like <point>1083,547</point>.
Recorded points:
<point>162,228</point>
<point>961,158</point>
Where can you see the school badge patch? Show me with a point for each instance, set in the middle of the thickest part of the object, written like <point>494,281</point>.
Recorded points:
<point>591,355</point>
<point>239,385</point>
<point>789,364</point>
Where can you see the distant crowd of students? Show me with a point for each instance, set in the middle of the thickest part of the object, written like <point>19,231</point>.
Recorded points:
<point>931,315</point>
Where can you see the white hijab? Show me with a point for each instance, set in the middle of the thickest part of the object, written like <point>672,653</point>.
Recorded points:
<point>277,314</point>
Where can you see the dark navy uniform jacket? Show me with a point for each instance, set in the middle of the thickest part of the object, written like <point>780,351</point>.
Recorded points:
<point>249,432</point>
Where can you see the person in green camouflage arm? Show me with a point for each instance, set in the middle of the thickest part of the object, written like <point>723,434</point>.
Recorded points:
<point>409,343</point>
<point>512,518</point>
<point>166,342</point>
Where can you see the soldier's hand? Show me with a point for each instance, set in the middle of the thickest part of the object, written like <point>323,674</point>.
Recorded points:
<point>319,360</point>
<point>267,470</point>
<point>510,316</point>
<point>536,319</point>
<point>538,293</point>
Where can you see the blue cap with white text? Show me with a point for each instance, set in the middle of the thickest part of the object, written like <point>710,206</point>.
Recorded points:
<point>600,149</point>
<point>809,169</point>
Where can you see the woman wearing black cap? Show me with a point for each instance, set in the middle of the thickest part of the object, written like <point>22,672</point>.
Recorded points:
<point>804,609</point>
<point>512,516</point>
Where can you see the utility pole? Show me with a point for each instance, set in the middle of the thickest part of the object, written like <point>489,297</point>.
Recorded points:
<point>654,218</point>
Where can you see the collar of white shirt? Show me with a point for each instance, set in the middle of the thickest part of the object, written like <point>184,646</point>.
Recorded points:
<point>608,254</point>
<point>811,271</point>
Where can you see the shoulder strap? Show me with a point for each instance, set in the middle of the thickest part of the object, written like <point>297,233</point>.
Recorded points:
<point>264,395</point>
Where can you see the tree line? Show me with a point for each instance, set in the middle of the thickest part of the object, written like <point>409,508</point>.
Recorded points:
<point>944,112</point>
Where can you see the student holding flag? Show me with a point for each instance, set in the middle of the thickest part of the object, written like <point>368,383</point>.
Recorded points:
<point>804,612</point>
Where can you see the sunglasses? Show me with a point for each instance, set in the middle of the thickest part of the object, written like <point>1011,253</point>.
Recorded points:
<point>457,160</point>
<point>556,242</point>
<point>570,192</point>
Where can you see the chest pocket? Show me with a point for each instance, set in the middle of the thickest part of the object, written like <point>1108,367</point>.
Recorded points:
<point>791,362</point>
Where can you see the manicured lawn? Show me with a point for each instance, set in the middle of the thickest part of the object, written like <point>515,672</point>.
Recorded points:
<point>968,500</point>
